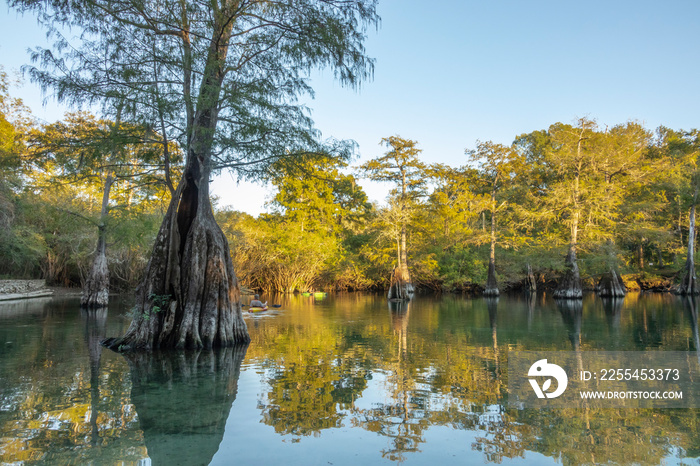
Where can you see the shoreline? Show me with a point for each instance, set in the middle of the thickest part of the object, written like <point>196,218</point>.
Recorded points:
<point>11,290</point>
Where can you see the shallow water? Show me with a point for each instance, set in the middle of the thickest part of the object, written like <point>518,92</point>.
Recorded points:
<point>335,380</point>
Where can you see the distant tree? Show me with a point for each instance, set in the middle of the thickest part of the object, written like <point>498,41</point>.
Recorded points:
<point>570,158</point>
<point>455,201</point>
<point>223,79</point>
<point>100,155</point>
<point>316,194</point>
<point>682,148</point>
<point>401,166</point>
<point>498,166</point>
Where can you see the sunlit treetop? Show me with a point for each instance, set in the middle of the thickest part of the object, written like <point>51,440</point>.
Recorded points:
<point>399,165</point>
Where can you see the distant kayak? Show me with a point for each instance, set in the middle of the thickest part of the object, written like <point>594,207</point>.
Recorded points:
<point>257,309</point>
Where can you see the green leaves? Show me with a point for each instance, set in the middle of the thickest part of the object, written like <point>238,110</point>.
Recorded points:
<point>226,78</point>
<point>399,165</point>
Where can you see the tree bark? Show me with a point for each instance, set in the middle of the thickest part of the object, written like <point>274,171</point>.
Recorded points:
<point>569,286</point>
<point>611,285</point>
<point>401,288</point>
<point>688,285</point>
<point>190,296</point>
<point>96,288</point>
<point>491,288</point>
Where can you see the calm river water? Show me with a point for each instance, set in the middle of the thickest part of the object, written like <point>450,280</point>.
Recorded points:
<point>342,380</point>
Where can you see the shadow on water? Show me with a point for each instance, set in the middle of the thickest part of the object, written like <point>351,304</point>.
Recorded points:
<point>183,400</point>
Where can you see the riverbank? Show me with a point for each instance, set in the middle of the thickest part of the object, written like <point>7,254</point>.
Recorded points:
<point>23,289</point>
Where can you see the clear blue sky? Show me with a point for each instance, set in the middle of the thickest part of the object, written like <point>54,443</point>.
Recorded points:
<point>451,72</point>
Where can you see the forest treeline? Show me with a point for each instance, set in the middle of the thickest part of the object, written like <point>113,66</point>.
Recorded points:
<point>623,196</point>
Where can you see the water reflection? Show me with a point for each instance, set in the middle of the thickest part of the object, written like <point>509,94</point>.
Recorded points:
<point>349,379</point>
<point>59,403</point>
<point>492,307</point>
<point>95,330</point>
<point>613,313</point>
<point>572,314</point>
<point>183,401</point>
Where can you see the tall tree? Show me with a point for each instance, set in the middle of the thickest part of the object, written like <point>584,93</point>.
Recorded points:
<point>98,155</point>
<point>223,77</point>
<point>498,165</point>
<point>16,258</point>
<point>683,150</point>
<point>400,165</point>
<point>570,155</point>
<point>621,164</point>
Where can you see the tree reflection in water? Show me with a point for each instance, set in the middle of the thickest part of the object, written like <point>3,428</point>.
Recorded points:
<point>340,377</point>
<point>68,406</point>
<point>422,368</point>
<point>183,400</point>
<point>95,329</point>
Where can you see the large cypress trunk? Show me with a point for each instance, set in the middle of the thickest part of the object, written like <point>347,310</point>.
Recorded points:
<point>491,281</point>
<point>96,288</point>
<point>400,288</point>
<point>611,285</point>
<point>569,286</point>
<point>190,297</point>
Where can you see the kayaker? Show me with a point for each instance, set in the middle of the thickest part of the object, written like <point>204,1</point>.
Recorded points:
<point>257,303</point>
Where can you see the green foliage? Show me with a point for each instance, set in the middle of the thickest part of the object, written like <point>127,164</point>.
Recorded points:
<point>159,303</point>
<point>240,105</point>
<point>461,266</point>
<point>634,193</point>
<point>315,194</point>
